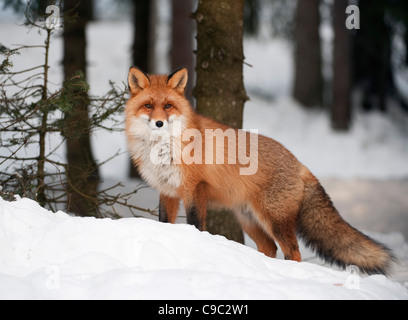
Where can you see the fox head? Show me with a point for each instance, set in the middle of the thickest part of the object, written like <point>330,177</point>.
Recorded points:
<point>156,102</point>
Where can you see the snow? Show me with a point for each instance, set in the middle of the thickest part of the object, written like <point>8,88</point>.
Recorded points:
<point>47,255</point>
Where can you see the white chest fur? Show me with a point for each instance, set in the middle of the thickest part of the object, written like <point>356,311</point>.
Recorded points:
<point>154,152</point>
<point>157,167</point>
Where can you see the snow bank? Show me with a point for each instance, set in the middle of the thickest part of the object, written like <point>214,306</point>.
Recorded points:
<point>47,255</point>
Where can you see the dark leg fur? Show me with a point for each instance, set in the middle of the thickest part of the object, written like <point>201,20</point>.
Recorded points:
<point>193,218</point>
<point>163,217</point>
<point>196,207</point>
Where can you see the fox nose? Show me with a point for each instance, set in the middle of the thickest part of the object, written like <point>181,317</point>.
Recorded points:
<point>159,124</point>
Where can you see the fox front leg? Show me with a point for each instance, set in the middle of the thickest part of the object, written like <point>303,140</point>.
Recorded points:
<point>196,207</point>
<point>168,209</point>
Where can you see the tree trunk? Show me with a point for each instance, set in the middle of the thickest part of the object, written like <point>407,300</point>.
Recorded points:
<point>141,47</point>
<point>251,16</point>
<point>341,108</point>
<point>372,53</point>
<point>308,88</point>
<point>83,176</point>
<point>141,34</point>
<point>182,55</point>
<point>220,92</point>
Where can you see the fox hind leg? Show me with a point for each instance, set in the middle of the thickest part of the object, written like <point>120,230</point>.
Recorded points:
<point>251,227</point>
<point>285,235</point>
<point>264,242</point>
<point>280,225</point>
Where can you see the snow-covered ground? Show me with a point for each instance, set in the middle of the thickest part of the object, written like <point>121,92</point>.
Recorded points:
<point>47,255</point>
<point>53,255</point>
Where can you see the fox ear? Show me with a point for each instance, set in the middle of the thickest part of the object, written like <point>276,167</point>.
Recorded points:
<point>178,80</point>
<point>137,80</point>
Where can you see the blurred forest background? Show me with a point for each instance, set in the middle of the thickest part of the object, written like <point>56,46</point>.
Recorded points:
<point>335,69</point>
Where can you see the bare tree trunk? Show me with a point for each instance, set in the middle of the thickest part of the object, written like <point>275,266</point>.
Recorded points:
<point>141,33</point>
<point>308,88</point>
<point>251,16</point>
<point>372,53</point>
<point>182,41</point>
<point>341,108</point>
<point>220,91</point>
<point>83,176</point>
<point>141,46</point>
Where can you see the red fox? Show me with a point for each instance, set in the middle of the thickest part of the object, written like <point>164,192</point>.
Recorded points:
<point>278,200</point>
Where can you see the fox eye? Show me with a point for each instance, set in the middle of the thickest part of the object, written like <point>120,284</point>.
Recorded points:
<point>148,106</point>
<point>168,106</point>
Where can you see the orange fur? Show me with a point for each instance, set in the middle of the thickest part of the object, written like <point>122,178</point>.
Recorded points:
<point>279,201</point>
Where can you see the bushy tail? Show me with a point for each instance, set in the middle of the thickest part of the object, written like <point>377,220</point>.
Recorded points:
<point>334,240</point>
